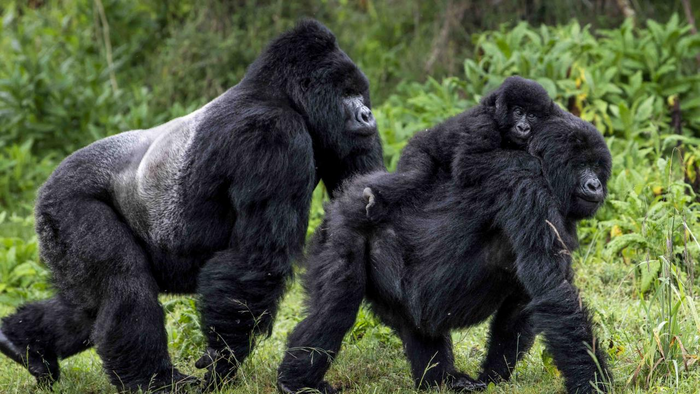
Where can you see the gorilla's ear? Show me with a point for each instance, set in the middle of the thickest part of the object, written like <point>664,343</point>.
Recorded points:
<point>501,108</point>
<point>501,104</point>
<point>490,99</point>
<point>498,101</point>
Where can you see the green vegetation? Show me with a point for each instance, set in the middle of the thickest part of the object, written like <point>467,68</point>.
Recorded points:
<point>71,74</point>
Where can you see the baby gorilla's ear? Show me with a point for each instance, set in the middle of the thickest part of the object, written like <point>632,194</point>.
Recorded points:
<point>498,100</point>
<point>501,109</point>
<point>554,110</point>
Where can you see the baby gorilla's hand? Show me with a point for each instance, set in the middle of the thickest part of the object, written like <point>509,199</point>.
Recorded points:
<point>376,209</point>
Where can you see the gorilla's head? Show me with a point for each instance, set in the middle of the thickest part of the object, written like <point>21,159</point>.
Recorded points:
<point>308,69</point>
<point>520,107</point>
<point>576,162</point>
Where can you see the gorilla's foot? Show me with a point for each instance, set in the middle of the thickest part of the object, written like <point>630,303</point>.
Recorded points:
<point>176,382</point>
<point>323,387</point>
<point>45,370</point>
<point>221,368</point>
<point>461,382</point>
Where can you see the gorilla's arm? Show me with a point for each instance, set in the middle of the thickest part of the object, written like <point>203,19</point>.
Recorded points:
<point>468,137</point>
<point>335,282</point>
<point>240,287</point>
<point>532,222</point>
<point>429,149</point>
<point>424,158</point>
<point>479,152</point>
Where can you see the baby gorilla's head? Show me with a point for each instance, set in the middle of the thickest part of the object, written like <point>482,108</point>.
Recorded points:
<point>520,106</point>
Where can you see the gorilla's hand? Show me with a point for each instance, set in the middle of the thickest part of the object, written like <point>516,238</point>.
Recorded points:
<point>323,387</point>
<point>175,382</point>
<point>462,382</point>
<point>221,368</point>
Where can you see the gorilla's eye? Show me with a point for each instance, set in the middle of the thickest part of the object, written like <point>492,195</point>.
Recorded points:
<point>531,116</point>
<point>518,111</point>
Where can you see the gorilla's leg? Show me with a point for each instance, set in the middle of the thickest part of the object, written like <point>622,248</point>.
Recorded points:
<point>98,264</point>
<point>336,283</point>
<point>241,287</point>
<point>41,333</point>
<point>511,336</point>
<point>432,362</point>
<point>568,332</point>
<point>558,312</point>
<point>238,303</point>
<point>130,335</point>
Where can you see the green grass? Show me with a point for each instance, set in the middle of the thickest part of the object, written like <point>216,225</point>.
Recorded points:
<point>372,361</point>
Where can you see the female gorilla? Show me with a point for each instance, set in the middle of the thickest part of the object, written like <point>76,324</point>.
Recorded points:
<point>471,251</point>
<point>215,202</point>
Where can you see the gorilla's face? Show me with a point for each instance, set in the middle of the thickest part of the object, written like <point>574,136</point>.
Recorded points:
<point>577,164</point>
<point>359,119</point>
<point>521,106</point>
<point>338,108</point>
<point>590,190</point>
<point>521,122</point>
<point>587,171</point>
<point>306,66</point>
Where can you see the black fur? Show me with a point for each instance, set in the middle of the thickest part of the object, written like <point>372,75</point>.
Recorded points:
<point>469,252</point>
<point>492,125</point>
<point>214,203</point>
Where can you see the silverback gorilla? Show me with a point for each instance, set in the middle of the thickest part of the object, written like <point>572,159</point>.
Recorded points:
<point>495,247</point>
<point>215,202</point>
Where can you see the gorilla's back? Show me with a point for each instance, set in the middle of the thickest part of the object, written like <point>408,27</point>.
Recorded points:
<point>147,192</point>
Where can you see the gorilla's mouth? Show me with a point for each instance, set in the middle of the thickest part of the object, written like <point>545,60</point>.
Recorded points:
<point>517,141</point>
<point>359,130</point>
<point>518,135</point>
<point>589,201</point>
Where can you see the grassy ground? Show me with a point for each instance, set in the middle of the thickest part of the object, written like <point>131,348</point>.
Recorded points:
<point>372,361</point>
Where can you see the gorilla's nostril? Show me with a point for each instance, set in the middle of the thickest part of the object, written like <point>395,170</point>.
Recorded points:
<point>593,185</point>
<point>364,115</point>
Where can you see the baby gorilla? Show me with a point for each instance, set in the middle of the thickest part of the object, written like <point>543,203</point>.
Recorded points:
<point>506,118</point>
<point>466,253</point>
